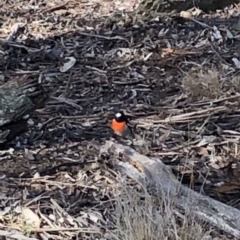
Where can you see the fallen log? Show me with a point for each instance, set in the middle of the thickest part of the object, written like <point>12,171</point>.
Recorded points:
<point>162,181</point>
<point>18,98</point>
<point>183,5</point>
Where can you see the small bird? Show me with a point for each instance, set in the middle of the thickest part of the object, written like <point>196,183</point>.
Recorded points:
<point>120,125</point>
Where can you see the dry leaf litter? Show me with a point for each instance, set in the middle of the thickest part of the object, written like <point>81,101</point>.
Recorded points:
<point>176,77</point>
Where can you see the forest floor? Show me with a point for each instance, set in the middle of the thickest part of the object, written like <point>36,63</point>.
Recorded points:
<point>176,77</point>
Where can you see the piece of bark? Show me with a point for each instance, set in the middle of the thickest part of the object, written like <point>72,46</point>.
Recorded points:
<point>162,181</point>
<point>18,98</point>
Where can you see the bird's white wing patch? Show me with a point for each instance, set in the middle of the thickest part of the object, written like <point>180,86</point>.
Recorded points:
<point>118,115</point>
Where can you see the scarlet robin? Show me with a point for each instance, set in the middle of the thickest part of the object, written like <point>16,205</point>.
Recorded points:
<point>120,126</point>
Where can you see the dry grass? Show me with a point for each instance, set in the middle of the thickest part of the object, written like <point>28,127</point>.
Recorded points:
<point>202,83</point>
<point>140,216</point>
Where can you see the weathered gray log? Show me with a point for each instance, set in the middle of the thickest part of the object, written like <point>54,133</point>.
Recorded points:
<point>183,5</point>
<point>159,178</point>
<point>17,99</point>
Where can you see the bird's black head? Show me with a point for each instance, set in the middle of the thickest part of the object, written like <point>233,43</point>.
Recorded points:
<point>120,117</point>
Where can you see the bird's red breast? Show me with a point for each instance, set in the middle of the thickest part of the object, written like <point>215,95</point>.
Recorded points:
<point>120,125</point>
